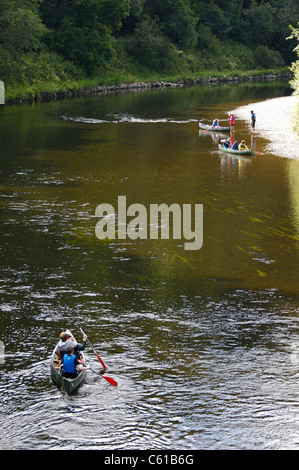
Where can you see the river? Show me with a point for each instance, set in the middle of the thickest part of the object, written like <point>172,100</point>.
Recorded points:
<point>203,343</point>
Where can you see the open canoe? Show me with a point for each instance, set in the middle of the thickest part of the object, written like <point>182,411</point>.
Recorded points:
<point>207,127</point>
<point>229,150</point>
<point>65,384</point>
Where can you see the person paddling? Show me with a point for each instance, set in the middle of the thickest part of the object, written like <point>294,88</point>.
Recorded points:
<point>71,364</point>
<point>66,339</point>
<point>243,146</point>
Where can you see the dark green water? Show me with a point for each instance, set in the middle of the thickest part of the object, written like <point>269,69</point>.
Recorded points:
<point>203,344</point>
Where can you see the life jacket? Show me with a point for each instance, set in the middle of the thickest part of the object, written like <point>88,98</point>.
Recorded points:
<point>69,364</point>
<point>243,147</point>
<point>235,146</point>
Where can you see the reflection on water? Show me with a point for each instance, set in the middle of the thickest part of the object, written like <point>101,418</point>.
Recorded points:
<point>276,122</point>
<point>293,176</point>
<point>203,344</point>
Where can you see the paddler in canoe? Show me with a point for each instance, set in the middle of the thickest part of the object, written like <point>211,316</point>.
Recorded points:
<point>243,146</point>
<point>226,143</point>
<point>66,339</point>
<point>72,366</point>
<point>236,148</point>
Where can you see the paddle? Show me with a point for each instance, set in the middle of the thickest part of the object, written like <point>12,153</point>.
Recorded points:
<point>94,350</point>
<point>109,379</point>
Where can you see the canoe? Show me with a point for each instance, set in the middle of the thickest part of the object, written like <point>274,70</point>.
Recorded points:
<point>65,384</point>
<point>234,152</point>
<point>207,127</point>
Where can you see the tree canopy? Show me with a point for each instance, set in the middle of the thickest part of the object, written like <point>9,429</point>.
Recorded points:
<point>152,35</point>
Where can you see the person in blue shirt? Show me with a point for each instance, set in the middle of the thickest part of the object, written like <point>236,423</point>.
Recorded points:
<point>71,364</point>
<point>253,119</point>
<point>225,143</point>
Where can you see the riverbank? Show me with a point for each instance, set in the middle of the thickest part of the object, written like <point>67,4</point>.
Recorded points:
<point>276,122</point>
<point>43,92</point>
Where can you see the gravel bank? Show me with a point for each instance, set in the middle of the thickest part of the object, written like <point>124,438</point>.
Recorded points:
<point>276,122</point>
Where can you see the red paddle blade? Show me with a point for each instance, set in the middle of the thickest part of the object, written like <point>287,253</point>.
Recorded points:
<point>110,380</point>
<point>101,361</point>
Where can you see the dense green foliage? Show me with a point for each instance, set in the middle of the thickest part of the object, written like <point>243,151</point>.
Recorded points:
<point>295,69</point>
<point>295,65</point>
<point>58,40</point>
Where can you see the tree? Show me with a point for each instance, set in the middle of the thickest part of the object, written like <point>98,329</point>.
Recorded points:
<point>83,30</point>
<point>21,29</point>
<point>21,32</point>
<point>176,20</point>
<point>151,48</point>
<point>295,65</point>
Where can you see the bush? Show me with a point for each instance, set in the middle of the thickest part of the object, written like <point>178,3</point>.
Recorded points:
<point>265,57</point>
<point>83,46</point>
<point>152,49</point>
<point>44,66</point>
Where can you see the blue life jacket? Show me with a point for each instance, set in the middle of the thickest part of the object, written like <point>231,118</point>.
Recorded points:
<point>69,364</point>
<point>235,146</point>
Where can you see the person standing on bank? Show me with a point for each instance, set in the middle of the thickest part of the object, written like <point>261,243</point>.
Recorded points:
<point>253,119</point>
<point>231,121</point>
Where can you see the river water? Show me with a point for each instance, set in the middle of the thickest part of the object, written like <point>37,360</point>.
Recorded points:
<point>204,344</point>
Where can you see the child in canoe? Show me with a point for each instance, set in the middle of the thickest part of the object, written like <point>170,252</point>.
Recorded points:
<point>243,146</point>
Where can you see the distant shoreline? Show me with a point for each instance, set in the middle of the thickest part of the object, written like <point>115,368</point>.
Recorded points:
<point>46,96</point>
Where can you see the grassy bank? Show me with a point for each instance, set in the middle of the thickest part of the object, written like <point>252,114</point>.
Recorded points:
<point>41,90</point>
